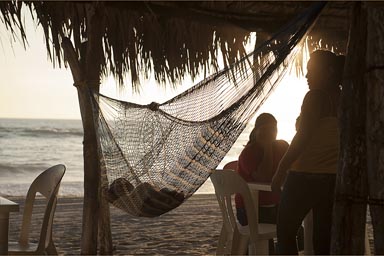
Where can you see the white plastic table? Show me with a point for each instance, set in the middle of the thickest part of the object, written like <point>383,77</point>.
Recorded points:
<point>6,206</point>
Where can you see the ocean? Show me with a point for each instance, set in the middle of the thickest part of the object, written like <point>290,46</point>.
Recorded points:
<point>29,146</point>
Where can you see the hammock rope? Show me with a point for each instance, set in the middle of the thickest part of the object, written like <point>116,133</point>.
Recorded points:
<point>153,157</point>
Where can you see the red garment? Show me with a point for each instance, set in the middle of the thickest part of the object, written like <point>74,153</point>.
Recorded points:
<point>249,160</point>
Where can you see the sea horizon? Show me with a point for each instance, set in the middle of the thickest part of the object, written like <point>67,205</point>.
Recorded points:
<point>41,118</point>
<point>31,145</point>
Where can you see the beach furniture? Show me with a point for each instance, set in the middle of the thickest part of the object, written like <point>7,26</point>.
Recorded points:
<point>47,184</point>
<point>234,238</point>
<point>6,207</point>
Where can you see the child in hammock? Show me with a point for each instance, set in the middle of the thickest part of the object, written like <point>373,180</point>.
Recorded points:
<point>154,201</point>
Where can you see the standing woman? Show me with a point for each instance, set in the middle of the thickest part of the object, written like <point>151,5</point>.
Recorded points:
<point>312,158</point>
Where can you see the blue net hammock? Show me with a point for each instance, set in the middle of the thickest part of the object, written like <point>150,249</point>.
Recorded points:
<point>154,157</point>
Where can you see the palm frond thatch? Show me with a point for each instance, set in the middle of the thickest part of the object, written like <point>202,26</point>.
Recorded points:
<point>171,39</point>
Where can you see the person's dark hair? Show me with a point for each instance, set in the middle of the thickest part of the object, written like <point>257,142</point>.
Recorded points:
<point>327,59</point>
<point>265,118</point>
<point>252,136</point>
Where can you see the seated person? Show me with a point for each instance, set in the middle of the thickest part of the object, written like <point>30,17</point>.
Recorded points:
<point>257,163</point>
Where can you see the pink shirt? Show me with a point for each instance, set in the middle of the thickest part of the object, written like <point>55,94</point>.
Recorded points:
<point>248,163</point>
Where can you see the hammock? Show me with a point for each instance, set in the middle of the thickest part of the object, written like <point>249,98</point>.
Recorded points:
<point>154,157</point>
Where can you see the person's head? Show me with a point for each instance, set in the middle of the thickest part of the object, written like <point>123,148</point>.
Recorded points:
<point>325,70</point>
<point>265,128</point>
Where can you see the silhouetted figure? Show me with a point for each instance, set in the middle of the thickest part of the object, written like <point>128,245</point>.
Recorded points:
<point>312,158</point>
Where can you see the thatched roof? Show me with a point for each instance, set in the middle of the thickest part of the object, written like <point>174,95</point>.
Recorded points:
<point>172,38</point>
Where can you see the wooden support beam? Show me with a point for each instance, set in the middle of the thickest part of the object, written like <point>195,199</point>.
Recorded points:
<point>91,170</point>
<point>375,120</point>
<point>92,178</point>
<point>350,207</point>
<point>86,74</point>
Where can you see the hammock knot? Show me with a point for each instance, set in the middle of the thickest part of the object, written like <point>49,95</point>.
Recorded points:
<point>78,84</point>
<point>154,106</point>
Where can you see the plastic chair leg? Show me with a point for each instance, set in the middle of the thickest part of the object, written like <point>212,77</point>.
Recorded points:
<point>262,248</point>
<point>223,241</point>
<point>51,249</point>
<point>239,243</point>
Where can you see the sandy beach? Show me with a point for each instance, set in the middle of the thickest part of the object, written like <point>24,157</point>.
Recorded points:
<point>191,229</point>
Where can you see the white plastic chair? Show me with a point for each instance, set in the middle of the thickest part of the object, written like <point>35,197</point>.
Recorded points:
<point>47,184</point>
<point>234,238</point>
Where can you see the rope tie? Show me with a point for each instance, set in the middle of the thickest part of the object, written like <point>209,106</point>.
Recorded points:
<point>79,84</point>
<point>154,106</point>
<point>88,83</point>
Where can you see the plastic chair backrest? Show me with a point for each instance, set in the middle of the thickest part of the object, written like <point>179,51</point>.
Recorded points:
<point>47,184</point>
<point>228,183</point>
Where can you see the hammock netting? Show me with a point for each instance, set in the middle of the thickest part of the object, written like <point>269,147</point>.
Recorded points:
<point>153,157</point>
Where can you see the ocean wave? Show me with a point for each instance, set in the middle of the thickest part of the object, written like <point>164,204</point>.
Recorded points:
<point>21,169</point>
<point>7,167</point>
<point>20,189</point>
<point>40,132</point>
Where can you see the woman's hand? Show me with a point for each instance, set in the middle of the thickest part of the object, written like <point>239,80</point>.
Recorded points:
<point>266,164</point>
<point>278,179</point>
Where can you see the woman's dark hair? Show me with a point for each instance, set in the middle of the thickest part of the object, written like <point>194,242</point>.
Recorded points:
<point>265,118</point>
<point>327,59</point>
<point>252,136</point>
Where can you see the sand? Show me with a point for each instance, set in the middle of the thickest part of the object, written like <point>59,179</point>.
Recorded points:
<point>191,229</point>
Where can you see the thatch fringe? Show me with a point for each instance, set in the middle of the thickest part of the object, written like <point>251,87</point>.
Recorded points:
<point>171,39</point>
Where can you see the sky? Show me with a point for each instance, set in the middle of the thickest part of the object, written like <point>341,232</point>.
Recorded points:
<point>32,88</point>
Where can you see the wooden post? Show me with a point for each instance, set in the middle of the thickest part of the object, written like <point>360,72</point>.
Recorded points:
<point>86,74</point>
<point>94,212</point>
<point>105,235</point>
<point>375,120</point>
<point>349,215</point>
<point>91,71</point>
<point>91,169</point>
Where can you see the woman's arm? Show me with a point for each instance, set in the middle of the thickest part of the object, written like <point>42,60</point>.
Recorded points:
<point>311,111</point>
